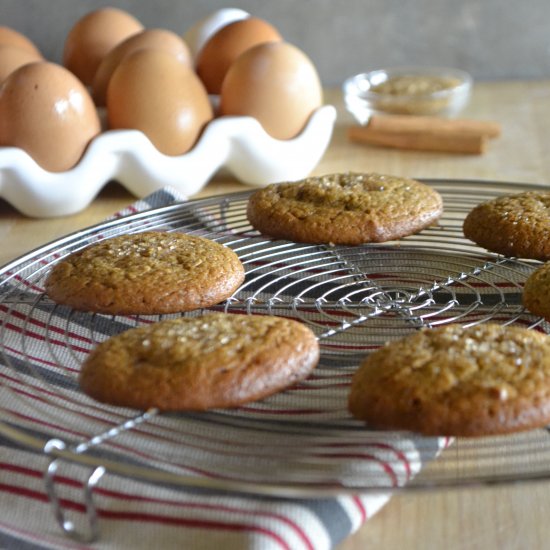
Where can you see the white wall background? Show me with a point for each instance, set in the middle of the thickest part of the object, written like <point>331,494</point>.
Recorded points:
<point>492,39</point>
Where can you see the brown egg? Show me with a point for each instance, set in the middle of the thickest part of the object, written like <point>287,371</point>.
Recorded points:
<point>198,34</point>
<point>46,111</point>
<point>275,83</point>
<point>11,37</point>
<point>12,58</point>
<point>159,39</point>
<point>154,92</point>
<point>227,44</point>
<point>91,38</point>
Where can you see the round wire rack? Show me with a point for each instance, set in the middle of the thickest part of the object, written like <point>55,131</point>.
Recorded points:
<point>301,442</point>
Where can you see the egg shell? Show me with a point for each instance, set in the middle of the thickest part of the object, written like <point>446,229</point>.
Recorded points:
<point>11,58</point>
<point>201,31</point>
<point>46,111</point>
<point>152,91</point>
<point>227,44</point>
<point>275,83</point>
<point>11,37</point>
<point>159,39</point>
<point>93,36</point>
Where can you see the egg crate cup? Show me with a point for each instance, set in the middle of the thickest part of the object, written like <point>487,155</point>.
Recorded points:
<point>238,144</point>
<point>301,442</point>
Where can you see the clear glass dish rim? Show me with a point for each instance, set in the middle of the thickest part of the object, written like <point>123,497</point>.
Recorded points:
<point>350,85</point>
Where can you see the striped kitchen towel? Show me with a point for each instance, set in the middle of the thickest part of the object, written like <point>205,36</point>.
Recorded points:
<point>41,346</point>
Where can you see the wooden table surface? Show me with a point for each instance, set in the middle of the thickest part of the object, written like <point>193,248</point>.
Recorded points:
<point>513,516</point>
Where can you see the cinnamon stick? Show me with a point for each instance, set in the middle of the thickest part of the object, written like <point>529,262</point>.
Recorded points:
<point>411,123</point>
<point>451,142</point>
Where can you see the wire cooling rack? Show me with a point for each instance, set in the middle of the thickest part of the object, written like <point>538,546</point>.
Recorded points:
<point>301,442</point>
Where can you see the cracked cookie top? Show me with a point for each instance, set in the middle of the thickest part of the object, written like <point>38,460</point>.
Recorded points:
<point>457,381</point>
<point>347,208</point>
<point>197,363</point>
<point>512,225</point>
<point>146,273</point>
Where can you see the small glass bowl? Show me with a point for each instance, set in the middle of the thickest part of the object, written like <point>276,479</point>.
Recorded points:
<point>407,90</point>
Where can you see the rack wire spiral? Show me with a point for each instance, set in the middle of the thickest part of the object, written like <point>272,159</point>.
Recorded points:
<point>301,442</point>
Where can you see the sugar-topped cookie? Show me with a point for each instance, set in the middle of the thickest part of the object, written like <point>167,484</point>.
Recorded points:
<point>455,381</point>
<point>197,363</point>
<point>349,208</point>
<point>152,272</point>
<point>513,225</point>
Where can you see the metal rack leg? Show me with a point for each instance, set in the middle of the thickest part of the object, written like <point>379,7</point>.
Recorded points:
<point>68,527</point>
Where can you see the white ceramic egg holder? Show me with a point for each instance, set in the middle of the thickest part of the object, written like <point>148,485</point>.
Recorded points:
<point>238,144</point>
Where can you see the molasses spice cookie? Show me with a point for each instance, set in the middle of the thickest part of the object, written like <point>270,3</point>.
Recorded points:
<point>197,363</point>
<point>536,291</point>
<point>455,381</point>
<point>146,273</point>
<point>512,225</point>
<point>348,209</point>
